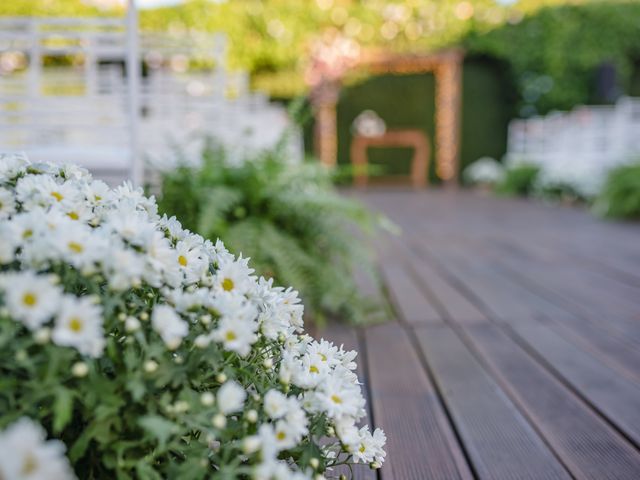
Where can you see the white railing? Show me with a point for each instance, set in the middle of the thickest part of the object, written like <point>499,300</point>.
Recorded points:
<point>102,113</point>
<point>579,146</point>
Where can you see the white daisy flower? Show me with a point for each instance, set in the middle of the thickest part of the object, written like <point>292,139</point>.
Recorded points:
<point>79,325</point>
<point>327,352</point>
<point>234,277</point>
<point>312,370</point>
<point>338,398</point>
<point>124,268</point>
<point>11,165</point>
<point>79,245</point>
<point>169,325</point>
<point>96,192</point>
<point>30,298</point>
<point>25,454</point>
<point>191,261</point>
<point>236,334</point>
<point>231,397</point>
<point>369,448</point>
<point>7,204</point>
<point>275,404</point>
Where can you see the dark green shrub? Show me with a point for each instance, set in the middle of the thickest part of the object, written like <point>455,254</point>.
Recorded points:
<point>287,217</point>
<point>518,180</point>
<point>620,196</point>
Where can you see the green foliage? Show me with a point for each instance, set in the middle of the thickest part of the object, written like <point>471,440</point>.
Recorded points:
<point>559,192</point>
<point>620,196</point>
<point>553,53</point>
<point>286,217</point>
<point>552,46</point>
<point>518,180</point>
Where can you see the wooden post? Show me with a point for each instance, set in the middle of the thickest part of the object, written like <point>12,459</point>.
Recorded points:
<point>324,99</point>
<point>448,102</point>
<point>133,87</point>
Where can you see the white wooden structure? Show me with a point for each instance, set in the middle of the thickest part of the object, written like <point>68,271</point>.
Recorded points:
<point>578,147</point>
<point>102,113</point>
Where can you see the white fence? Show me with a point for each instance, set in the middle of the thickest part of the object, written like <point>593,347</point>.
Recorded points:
<point>100,112</point>
<point>578,147</point>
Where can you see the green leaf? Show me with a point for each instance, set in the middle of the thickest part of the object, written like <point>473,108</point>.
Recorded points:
<point>159,427</point>
<point>62,409</point>
<point>136,388</point>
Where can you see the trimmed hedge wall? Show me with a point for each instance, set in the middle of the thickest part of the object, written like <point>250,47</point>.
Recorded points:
<point>408,101</point>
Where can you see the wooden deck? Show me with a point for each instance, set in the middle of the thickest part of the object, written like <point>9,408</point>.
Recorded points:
<point>515,353</point>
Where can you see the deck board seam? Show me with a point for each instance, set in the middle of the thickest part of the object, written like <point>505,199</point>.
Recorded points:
<point>536,356</point>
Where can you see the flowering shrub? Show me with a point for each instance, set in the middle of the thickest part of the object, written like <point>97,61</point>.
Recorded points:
<point>518,180</point>
<point>484,171</point>
<point>149,352</point>
<point>620,196</point>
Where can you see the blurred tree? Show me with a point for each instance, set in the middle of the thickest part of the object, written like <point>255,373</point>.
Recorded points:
<point>553,47</point>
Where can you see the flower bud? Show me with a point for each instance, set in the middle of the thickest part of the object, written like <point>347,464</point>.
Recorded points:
<point>219,421</point>
<point>315,463</point>
<point>251,444</point>
<point>202,341</point>
<point>42,335</point>
<point>144,316</point>
<point>207,399</point>
<point>150,366</point>
<point>252,416</point>
<point>122,316</point>
<point>79,369</point>
<point>132,324</point>
<point>221,378</point>
<point>267,363</point>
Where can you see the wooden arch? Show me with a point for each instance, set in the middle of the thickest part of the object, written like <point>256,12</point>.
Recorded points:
<point>447,69</point>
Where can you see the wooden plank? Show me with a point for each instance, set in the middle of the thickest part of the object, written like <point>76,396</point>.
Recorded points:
<point>615,396</point>
<point>347,337</point>
<point>609,347</point>
<point>586,444</point>
<point>410,301</point>
<point>448,298</point>
<point>421,444</point>
<point>499,441</point>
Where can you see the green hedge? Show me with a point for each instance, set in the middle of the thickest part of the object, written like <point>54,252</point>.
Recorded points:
<point>408,101</point>
<point>554,52</point>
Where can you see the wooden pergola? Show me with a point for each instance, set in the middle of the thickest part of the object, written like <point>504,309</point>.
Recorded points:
<point>447,69</point>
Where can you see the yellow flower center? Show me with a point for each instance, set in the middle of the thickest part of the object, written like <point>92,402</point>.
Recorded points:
<point>323,357</point>
<point>182,260</point>
<point>73,215</point>
<point>227,284</point>
<point>362,448</point>
<point>281,435</point>
<point>230,336</point>
<point>336,399</point>
<point>75,324</point>
<point>314,369</point>
<point>57,196</point>
<point>27,233</point>
<point>29,464</point>
<point>76,247</point>
<point>29,299</point>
